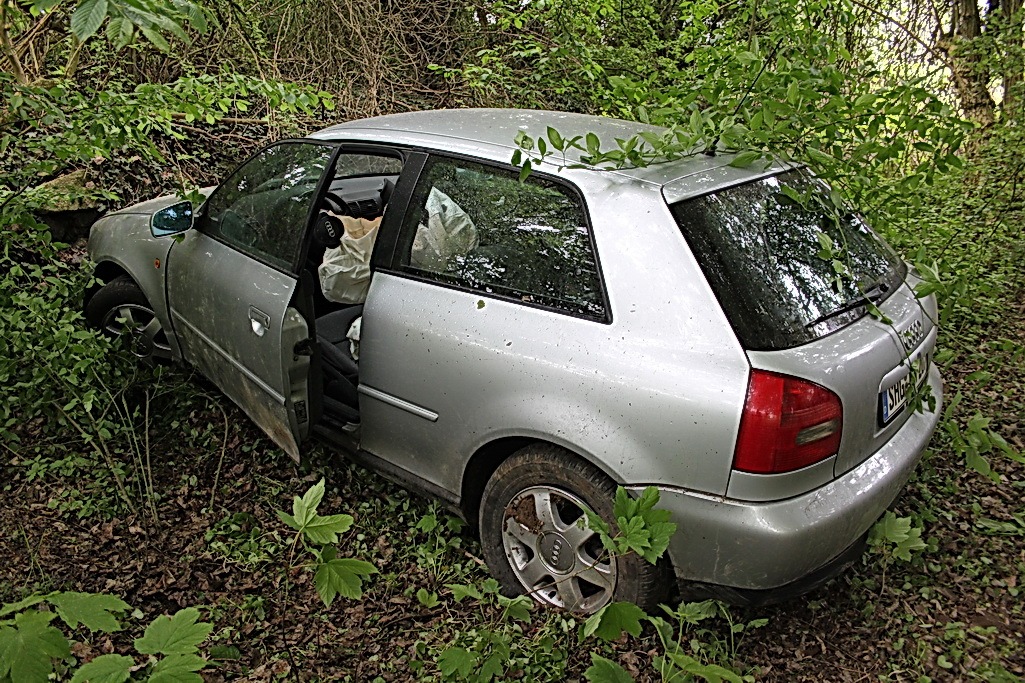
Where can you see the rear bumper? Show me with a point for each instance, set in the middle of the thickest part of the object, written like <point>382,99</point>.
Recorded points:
<point>784,545</point>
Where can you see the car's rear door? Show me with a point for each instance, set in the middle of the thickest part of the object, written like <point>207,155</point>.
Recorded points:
<point>480,259</point>
<point>231,284</point>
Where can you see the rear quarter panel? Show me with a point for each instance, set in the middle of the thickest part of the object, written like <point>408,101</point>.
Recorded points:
<point>654,396</point>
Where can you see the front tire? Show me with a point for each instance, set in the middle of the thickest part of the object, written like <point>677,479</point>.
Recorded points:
<point>121,310</point>
<point>534,545</point>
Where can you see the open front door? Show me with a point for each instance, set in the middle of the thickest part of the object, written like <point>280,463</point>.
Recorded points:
<point>231,283</point>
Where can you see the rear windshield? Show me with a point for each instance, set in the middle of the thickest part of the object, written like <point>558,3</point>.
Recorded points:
<point>763,253</point>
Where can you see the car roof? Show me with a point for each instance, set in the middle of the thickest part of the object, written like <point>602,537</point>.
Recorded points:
<point>490,134</point>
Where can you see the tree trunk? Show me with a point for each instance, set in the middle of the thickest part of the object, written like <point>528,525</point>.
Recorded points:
<point>1012,68</point>
<point>969,72</point>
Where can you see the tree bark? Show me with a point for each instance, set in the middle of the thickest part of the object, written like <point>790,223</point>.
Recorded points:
<point>8,47</point>
<point>1011,15</point>
<point>970,74</point>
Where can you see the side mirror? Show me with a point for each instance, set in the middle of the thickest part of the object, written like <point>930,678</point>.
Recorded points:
<point>171,219</point>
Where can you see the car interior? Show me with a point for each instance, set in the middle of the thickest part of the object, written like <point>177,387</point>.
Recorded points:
<point>363,194</point>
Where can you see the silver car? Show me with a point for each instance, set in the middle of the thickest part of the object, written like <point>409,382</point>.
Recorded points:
<point>521,349</point>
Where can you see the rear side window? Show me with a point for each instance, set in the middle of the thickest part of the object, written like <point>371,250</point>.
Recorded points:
<point>763,255</point>
<point>480,228</point>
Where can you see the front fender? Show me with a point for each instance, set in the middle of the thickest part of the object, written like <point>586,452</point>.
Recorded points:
<point>124,239</point>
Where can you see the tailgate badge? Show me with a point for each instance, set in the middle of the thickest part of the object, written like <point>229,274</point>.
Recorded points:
<point>912,335</point>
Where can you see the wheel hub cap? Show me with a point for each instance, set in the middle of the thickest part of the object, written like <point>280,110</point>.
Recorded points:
<point>555,552</point>
<point>556,558</point>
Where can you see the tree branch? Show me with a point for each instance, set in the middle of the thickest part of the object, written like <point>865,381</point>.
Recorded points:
<point>911,34</point>
<point>8,47</point>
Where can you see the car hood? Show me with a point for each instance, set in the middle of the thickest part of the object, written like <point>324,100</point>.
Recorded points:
<point>151,206</point>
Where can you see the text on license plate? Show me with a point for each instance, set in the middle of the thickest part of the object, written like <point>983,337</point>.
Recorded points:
<point>893,399</point>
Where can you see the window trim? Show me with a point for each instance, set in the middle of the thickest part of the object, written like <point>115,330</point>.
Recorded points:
<point>202,219</point>
<point>393,265</point>
<point>353,147</point>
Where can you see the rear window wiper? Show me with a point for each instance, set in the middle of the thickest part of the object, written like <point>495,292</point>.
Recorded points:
<point>872,295</point>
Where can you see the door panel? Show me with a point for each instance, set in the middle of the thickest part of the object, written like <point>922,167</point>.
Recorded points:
<point>231,279</point>
<point>233,322</point>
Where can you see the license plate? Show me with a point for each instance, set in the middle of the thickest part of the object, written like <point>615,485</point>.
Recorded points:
<point>893,399</point>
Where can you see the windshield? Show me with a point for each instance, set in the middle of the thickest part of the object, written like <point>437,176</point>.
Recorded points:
<point>785,269</point>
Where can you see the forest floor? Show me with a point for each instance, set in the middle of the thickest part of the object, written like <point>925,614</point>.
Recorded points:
<point>955,612</point>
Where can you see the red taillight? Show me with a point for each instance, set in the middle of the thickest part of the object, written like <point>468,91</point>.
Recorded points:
<point>788,423</point>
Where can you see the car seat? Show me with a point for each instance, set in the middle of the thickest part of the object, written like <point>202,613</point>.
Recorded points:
<point>340,370</point>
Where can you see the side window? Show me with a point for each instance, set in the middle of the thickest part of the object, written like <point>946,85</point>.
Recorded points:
<point>261,209</point>
<point>480,228</point>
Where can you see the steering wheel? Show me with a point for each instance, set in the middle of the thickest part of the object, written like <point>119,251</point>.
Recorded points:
<point>335,204</point>
<point>328,228</point>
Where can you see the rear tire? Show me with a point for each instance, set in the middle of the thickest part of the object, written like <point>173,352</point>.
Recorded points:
<point>119,309</point>
<point>534,546</point>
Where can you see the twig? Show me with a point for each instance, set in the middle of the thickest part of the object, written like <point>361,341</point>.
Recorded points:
<point>220,461</point>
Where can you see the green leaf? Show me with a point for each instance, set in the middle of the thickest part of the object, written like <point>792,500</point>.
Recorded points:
<point>463,591</point>
<point>92,610</point>
<point>606,671</point>
<point>525,171</point>
<point>820,157</point>
<point>745,159</point>
<point>105,669</point>
<point>341,577</point>
<point>154,37</point>
<point>892,528</point>
<point>710,672</point>
<point>555,138</point>
<point>697,124</point>
<point>427,598</point>
<point>27,649</point>
<point>225,652</point>
<point>305,509</point>
<point>518,608</point>
<point>457,660</point>
<point>324,530</point>
<point>87,18</point>
<point>493,667</point>
<point>288,519</point>
<point>12,607</point>
<point>178,668</point>
<point>179,634</point>
<point>610,621</point>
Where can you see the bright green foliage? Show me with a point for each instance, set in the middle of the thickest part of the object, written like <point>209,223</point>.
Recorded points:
<point>151,18</point>
<point>174,635</point>
<point>462,591</point>
<point>457,661</point>
<point>178,668</point>
<point>485,652</point>
<point>29,646</point>
<point>612,620</point>
<point>643,529</point>
<point>317,528</point>
<point>343,577</point>
<point>708,656</point>
<point>95,611</point>
<point>105,669</point>
<point>606,671</point>
<point>975,440</point>
<point>333,576</point>
<point>897,535</point>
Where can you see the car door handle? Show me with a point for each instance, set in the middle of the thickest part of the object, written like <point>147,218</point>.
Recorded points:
<point>259,320</point>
